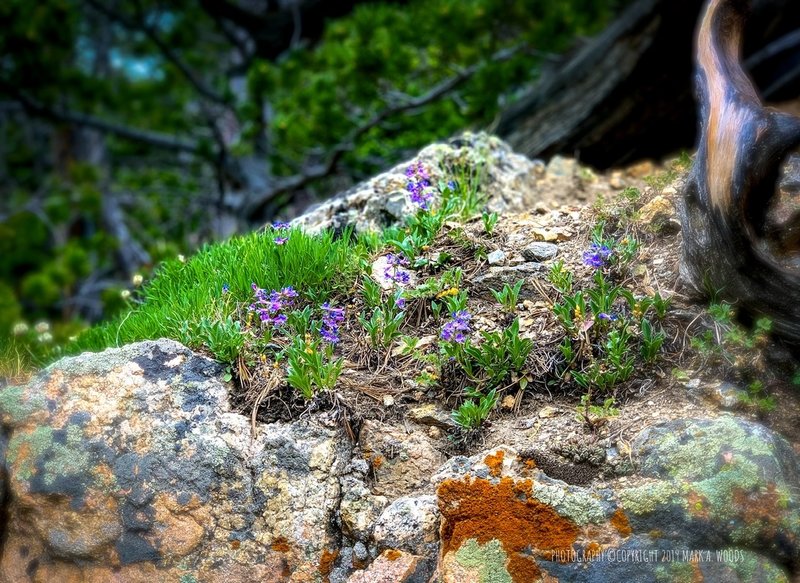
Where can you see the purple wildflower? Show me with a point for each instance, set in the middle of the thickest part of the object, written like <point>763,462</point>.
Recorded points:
<point>280,225</point>
<point>451,184</point>
<point>394,270</point>
<point>597,256</point>
<point>225,288</point>
<point>332,315</point>
<point>419,185</point>
<point>280,240</point>
<point>457,328</point>
<point>269,306</point>
<point>609,317</point>
<point>287,294</point>
<point>400,303</point>
<point>331,319</point>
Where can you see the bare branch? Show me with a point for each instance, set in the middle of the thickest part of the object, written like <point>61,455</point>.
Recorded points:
<point>199,84</point>
<point>155,139</point>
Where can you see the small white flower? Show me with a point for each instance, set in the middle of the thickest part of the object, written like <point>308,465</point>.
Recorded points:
<point>45,337</point>
<point>137,279</point>
<point>125,294</point>
<point>20,328</point>
<point>42,327</point>
<point>181,258</point>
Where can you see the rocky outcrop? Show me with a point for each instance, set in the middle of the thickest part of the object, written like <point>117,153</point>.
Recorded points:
<point>512,183</point>
<point>130,465</point>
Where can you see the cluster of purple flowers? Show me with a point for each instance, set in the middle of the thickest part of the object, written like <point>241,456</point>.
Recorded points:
<point>395,269</point>
<point>281,226</point>
<point>597,256</point>
<point>457,328</point>
<point>608,317</point>
<point>419,185</point>
<point>331,319</point>
<point>269,306</point>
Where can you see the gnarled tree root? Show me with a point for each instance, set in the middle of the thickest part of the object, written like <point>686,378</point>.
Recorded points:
<point>740,230</point>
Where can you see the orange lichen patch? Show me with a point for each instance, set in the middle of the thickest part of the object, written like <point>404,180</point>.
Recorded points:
<point>593,549</point>
<point>235,544</point>
<point>494,461</point>
<point>326,562</point>
<point>697,505</point>
<point>393,554</point>
<point>280,545</point>
<point>376,461</point>
<point>762,506</point>
<point>620,522</point>
<point>506,512</point>
<point>530,464</point>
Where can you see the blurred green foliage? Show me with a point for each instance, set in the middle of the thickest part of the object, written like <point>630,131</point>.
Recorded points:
<point>59,262</point>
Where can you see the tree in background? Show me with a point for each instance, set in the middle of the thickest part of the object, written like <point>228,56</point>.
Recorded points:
<point>134,130</point>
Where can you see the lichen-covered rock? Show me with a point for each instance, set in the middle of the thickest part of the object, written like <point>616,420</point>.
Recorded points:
<point>393,567</point>
<point>129,465</point>
<point>402,462</point>
<point>410,523</point>
<point>359,509</point>
<point>719,504</point>
<point>510,180</point>
<point>722,482</point>
<point>501,517</point>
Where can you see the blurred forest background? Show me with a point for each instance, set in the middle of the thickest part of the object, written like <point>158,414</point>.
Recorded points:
<point>135,130</point>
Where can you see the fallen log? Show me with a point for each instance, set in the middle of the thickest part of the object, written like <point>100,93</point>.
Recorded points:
<point>740,218</point>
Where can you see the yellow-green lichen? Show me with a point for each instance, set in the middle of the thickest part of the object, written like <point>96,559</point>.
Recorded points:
<point>17,404</point>
<point>698,458</point>
<point>750,566</point>
<point>581,507</point>
<point>675,573</point>
<point>67,459</point>
<point>646,499</point>
<point>489,558</point>
<point>25,448</point>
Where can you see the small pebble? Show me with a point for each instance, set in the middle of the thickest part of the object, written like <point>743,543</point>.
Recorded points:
<point>496,257</point>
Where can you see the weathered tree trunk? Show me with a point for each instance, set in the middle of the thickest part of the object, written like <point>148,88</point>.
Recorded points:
<point>739,238</point>
<point>627,95</point>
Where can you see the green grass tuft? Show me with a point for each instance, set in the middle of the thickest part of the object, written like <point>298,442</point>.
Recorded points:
<point>317,266</point>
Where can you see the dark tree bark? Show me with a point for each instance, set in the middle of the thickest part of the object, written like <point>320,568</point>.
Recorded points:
<point>737,240</point>
<point>627,95</point>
